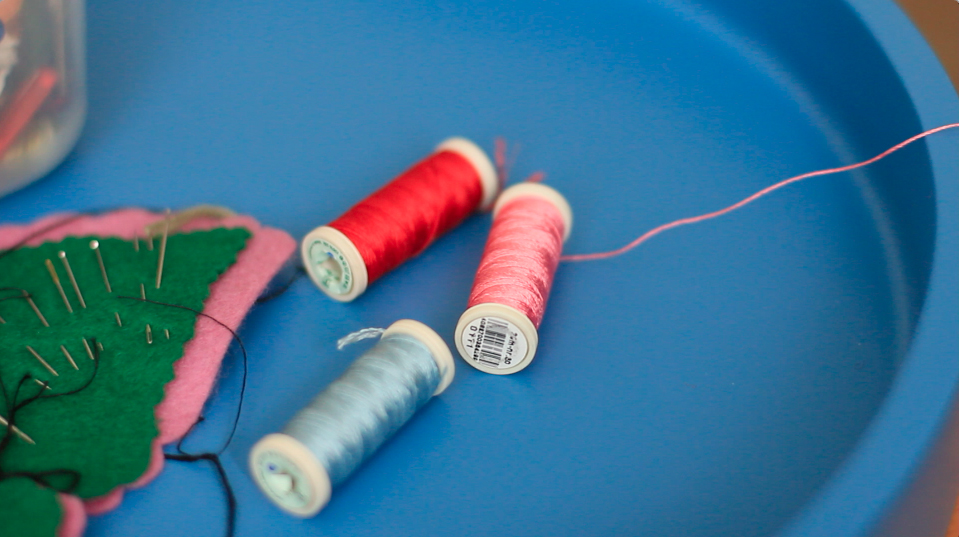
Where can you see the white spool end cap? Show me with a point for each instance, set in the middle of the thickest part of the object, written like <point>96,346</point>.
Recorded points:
<point>437,347</point>
<point>496,338</point>
<point>481,163</point>
<point>334,264</point>
<point>290,476</point>
<point>538,190</point>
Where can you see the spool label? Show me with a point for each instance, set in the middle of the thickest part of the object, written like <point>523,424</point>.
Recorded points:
<point>282,480</point>
<point>330,268</point>
<point>494,343</point>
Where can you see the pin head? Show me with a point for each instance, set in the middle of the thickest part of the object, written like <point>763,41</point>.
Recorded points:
<point>62,254</point>
<point>94,244</point>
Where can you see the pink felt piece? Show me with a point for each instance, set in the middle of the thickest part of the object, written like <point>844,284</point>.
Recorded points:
<point>112,499</point>
<point>74,518</point>
<point>231,296</point>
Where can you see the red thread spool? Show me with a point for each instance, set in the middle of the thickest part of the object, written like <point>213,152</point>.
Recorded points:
<point>400,220</point>
<point>497,333</point>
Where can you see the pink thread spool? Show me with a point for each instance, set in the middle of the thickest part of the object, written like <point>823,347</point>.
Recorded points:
<point>498,332</point>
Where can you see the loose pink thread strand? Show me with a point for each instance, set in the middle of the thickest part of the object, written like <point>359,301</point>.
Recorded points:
<point>708,216</point>
<point>504,164</point>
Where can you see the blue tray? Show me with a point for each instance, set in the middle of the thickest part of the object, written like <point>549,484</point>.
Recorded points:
<point>788,370</point>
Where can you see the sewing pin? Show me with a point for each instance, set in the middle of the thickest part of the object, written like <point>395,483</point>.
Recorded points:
<point>42,361</point>
<point>87,347</point>
<point>41,383</point>
<point>117,315</point>
<point>73,281</point>
<point>136,242</point>
<point>100,346</point>
<point>95,246</point>
<point>166,231</point>
<point>143,292</point>
<point>2,321</point>
<point>67,354</point>
<point>149,335</point>
<point>17,430</point>
<point>150,242</point>
<point>36,310</point>
<point>166,332</point>
<point>56,281</point>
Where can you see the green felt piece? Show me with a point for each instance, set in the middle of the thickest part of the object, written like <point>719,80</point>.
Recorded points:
<point>27,508</point>
<point>105,431</point>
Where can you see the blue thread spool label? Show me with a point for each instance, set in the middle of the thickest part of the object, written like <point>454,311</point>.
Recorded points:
<point>285,483</point>
<point>494,343</point>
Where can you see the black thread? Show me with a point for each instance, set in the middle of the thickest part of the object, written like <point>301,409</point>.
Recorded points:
<point>213,457</point>
<point>183,456</point>
<point>23,293</point>
<point>45,229</point>
<point>41,478</point>
<point>300,272</point>
<point>66,220</point>
<point>239,409</point>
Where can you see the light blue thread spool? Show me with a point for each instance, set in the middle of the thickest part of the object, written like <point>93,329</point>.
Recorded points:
<point>345,424</point>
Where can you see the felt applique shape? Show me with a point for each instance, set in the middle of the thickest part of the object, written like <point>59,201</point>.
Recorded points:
<point>146,386</point>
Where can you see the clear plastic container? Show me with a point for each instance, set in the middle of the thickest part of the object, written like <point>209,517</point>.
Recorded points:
<point>42,86</point>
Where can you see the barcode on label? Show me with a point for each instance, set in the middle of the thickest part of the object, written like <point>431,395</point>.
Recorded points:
<point>493,343</point>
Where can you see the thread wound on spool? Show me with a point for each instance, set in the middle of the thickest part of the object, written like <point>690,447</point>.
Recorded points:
<point>520,258</point>
<point>404,217</point>
<point>399,220</point>
<point>327,440</point>
<point>497,333</point>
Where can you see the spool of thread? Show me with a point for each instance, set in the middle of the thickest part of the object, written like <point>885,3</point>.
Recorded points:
<point>400,220</point>
<point>345,424</point>
<point>497,333</point>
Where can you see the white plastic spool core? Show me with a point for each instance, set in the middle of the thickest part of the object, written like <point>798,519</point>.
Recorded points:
<point>519,336</point>
<point>288,473</point>
<point>290,476</point>
<point>335,264</point>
